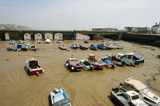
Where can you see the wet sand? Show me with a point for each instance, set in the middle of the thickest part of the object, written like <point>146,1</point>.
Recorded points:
<point>83,88</point>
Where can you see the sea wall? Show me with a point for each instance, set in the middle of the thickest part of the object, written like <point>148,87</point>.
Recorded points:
<point>148,39</point>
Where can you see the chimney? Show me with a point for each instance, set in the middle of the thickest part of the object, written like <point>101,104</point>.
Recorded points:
<point>156,23</point>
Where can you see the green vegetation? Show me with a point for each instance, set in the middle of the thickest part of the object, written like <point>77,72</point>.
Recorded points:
<point>14,27</point>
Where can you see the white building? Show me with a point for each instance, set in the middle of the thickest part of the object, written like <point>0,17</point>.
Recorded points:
<point>155,28</point>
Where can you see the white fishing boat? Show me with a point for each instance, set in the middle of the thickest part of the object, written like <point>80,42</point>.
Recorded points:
<point>147,95</point>
<point>127,98</point>
<point>33,67</point>
<point>48,41</point>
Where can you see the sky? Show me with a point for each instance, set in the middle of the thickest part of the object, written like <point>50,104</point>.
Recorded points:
<point>80,14</point>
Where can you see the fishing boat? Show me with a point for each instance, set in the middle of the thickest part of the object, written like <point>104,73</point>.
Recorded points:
<point>98,64</point>
<point>146,94</point>
<point>127,98</point>
<point>109,64</point>
<point>86,41</point>
<point>18,47</point>
<point>59,40</point>
<point>118,46</point>
<point>122,57</point>
<point>48,41</point>
<point>39,41</point>
<point>33,67</point>
<point>59,97</point>
<point>86,64</point>
<point>62,46</point>
<point>111,45</point>
<point>82,46</point>
<point>11,42</point>
<point>21,42</point>
<point>134,57</point>
<point>93,47</point>
<point>115,61</point>
<point>33,48</point>
<point>73,64</point>
<point>26,47</point>
<point>11,48</point>
<point>102,46</point>
<point>74,46</point>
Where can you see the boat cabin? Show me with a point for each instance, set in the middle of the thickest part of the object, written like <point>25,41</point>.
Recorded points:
<point>132,84</point>
<point>120,55</point>
<point>33,64</point>
<point>129,55</point>
<point>91,58</point>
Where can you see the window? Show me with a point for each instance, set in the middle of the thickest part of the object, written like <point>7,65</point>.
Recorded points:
<point>135,97</point>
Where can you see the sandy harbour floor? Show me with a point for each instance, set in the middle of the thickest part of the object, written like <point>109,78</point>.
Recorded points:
<point>83,88</point>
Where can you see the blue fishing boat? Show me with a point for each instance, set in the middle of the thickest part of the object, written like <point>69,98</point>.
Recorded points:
<point>18,47</point>
<point>11,42</point>
<point>74,46</point>
<point>26,47</point>
<point>10,48</point>
<point>93,47</point>
<point>109,64</point>
<point>86,64</point>
<point>59,98</point>
<point>102,46</point>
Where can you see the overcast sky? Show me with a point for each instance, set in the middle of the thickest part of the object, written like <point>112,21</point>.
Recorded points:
<point>79,14</point>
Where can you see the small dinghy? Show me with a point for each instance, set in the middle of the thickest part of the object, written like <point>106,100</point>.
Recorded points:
<point>33,48</point>
<point>59,41</point>
<point>11,48</point>
<point>21,42</point>
<point>26,47</point>
<point>48,41</point>
<point>59,98</point>
<point>18,47</point>
<point>98,64</point>
<point>62,46</point>
<point>86,41</point>
<point>118,46</point>
<point>111,45</point>
<point>39,41</point>
<point>11,42</point>
<point>82,46</point>
<point>33,67</point>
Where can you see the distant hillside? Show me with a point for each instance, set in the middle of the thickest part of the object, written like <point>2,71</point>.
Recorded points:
<point>13,27</point>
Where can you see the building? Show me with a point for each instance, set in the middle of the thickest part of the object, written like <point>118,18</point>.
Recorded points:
<point>1,27</point>
<point>137,29</point>
<point>104,29</point>
<point>155,28</point>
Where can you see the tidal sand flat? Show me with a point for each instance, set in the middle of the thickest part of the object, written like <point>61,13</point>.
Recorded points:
<point>85,88</point>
